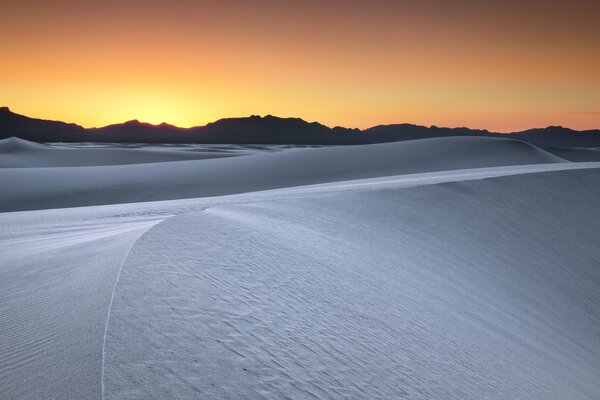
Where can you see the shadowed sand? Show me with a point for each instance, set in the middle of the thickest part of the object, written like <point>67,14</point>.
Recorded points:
<point>19,153</point>
<point>55,289</point>
<point>439,291</point>
<point>436,268</point>
<point>34,188</point>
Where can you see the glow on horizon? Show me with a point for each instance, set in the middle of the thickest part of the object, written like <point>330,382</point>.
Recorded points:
<point>503,67</point>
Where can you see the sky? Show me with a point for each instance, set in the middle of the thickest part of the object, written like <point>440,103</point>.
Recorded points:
<point>499,65</point>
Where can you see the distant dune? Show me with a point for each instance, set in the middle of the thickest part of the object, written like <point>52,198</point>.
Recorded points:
<point>33,188</point>
<point>19,153</point>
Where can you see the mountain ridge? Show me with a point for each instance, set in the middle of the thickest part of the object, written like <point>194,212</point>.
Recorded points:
<point>267,130</point>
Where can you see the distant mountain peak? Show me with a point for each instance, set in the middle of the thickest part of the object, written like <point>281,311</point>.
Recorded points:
<point>268,129</point>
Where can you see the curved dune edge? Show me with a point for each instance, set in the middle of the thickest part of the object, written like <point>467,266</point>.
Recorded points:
<point>275,298</point>
<point>55,290</point>
<point>37,188</point>
<point>113,295</point>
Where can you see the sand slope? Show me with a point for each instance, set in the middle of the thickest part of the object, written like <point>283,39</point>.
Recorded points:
<point>443,268</point>
<point>480,289</point>
<point>19,153</point>
<point>55,287</point>
<point>35,188</point>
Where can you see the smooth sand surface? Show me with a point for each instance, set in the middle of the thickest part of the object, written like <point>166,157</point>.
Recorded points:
<point>35,188</point>
<point>479,289</point>
<point>55,287</point>
<point>429,269</point>
<point>19,153</point>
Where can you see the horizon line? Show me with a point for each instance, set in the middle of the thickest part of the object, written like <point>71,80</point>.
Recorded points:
<point>432,126</point>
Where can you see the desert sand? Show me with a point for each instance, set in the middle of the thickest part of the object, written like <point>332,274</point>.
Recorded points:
<point>435,268</point>
<point>80,185</point>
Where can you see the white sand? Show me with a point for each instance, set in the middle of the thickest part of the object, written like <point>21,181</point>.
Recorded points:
<point>19,153</point>
<point>444,291</point>
<point>56,283</point>
<point>475,277</point>
<point>34,188</point>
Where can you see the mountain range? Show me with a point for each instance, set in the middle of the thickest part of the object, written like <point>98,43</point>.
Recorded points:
<point>267,130</point>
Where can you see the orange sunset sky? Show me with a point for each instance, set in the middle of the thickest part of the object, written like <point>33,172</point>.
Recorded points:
<point>500,65</point>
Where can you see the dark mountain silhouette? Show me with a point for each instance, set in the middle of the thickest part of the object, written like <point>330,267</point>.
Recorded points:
<point>266,130</point>
<point>37,130</point>
<point>560,137</point>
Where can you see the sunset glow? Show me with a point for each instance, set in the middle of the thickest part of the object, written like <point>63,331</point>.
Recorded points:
<point>503,66</point>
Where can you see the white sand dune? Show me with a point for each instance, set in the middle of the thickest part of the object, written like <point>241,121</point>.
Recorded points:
<point>54,294</point>
<point>34,188</point>
<point>481,289</point>
<point>19,153</point>
<point>440,268</point>
<point>578,154</point>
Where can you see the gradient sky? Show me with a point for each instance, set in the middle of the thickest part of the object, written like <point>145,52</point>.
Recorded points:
<point>501,65</point>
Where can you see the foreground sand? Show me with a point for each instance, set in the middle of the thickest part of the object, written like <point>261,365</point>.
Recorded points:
<point>472,283</point>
